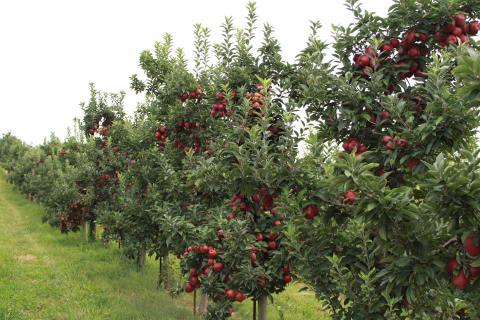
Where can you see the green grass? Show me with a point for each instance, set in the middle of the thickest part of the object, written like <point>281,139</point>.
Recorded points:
<point>47,275</point>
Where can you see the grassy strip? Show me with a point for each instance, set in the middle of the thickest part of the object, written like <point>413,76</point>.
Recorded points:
<point>47,275</point>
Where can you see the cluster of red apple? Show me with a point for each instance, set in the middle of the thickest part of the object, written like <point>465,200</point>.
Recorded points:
<point>62,153</point>
<point>413,48</point>
<point>287,277</point>
<point>73,219</point>
<point>256,101</point>
<point>92,131</point>
<point>263,199</point>
<point>389,142</point>
<point>161,135</point>
<point>193,95</point>
<point>188,127</point>
<point>271,243</point>
<point>459,279</point>
<point>210,253</point>
<point>238,295</point>
<point>106,179</point>
<point>238,203</point>
<point>410,50</point>
<point>101,129</point>
<point>219,109</point>
<point>457,30</point>
<point>366,61</point>
<point>353,143</point>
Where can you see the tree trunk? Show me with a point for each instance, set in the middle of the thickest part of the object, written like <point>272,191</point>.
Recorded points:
<point>120,239</point>
<point>194,303</point>
<point>90,230</point>
<point>262,308</point>
<point>141,257</point>
<point>203,304</point>
<point>167,281</point>
<point>160,279</point>
<point>254,313</point>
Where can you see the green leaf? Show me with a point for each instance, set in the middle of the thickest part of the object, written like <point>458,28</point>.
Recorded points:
<point>370,207</point>
<point>475,263</point>
<point>382,233</point>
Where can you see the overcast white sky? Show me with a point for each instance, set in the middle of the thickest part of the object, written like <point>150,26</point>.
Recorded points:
<point>51,49</point>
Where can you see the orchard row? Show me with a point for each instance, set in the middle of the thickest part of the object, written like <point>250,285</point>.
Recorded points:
<point>379,215</point>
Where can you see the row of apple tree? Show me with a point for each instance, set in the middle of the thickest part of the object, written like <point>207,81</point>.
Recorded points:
<point>352,170</point>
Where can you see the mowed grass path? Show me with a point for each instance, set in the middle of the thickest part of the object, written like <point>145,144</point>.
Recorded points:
<point>47,275</point>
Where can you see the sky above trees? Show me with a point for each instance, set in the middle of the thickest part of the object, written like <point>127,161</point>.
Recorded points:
<point>52,49</point>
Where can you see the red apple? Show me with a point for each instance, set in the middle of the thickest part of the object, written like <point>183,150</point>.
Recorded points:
<point>460,20</point>
<point>423,37</point>
<point>194,281</point>
<point>386,47</point>
<point>474,272</point>
<point>212,253</point>
<point>230,294</point>
<point>452,265</point>
<point>188,288</point>
<point>452,39</point>
<point>410,37</point>
<point>350,196</point>
<point>240,297</point>
<point>287,278</point>
<point>402,142</point>
<point>310,211</point>
<point>449,28</point>
<point>474,28</point>
<point>272,245</point>
<point>256,198</point>
<point>414,52</point>
<point>457,32</point>
<point>412,163</point>
<point>464,38</point>
<point>363,61</point>
<point>218,266</point>
<point>470,247</point>
<point>386,139</point>
<point>193,271</point>
<point>460,281</point>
